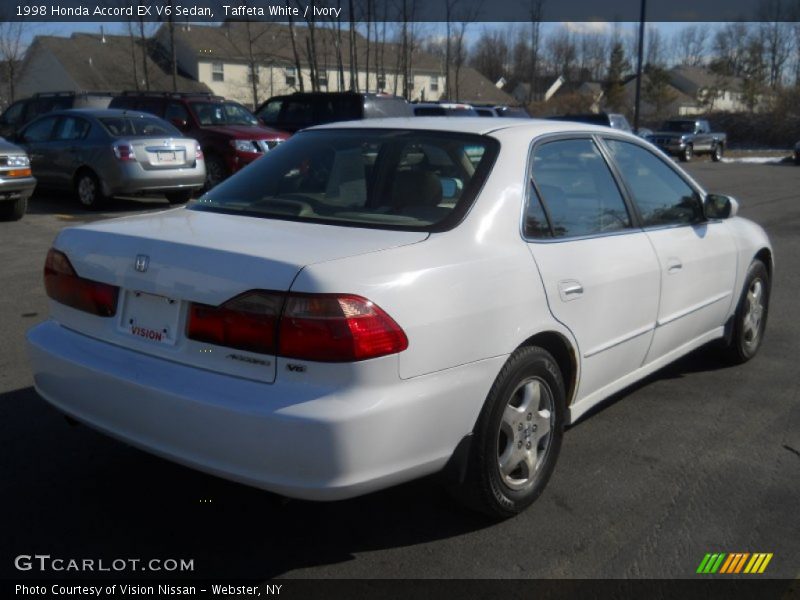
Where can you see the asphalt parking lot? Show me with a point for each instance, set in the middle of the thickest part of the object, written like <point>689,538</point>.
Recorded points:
<point>698,458</point>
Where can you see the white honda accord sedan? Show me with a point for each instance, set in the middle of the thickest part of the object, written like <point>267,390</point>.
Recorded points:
<point>377,301</point>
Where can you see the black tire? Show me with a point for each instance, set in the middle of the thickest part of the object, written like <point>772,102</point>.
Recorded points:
<point>216,171</point>
<point>13,211</point>
<point>179,196</point>
<point>89,191</point>
<point>687,153</point>
<point>716,153</point>
<point>749,322</point>
<point>504,492</point>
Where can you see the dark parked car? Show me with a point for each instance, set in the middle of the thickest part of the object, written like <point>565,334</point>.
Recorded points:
<point>797,153</point>
<point>686,137</point>
<point>106,152</point>
<point>300,110</point>
<point>16,181</point>
<point>613,120</point>
<point>501,110</point>
<point>444,109</point>
<point>24,111</point>
<point>230,135</point>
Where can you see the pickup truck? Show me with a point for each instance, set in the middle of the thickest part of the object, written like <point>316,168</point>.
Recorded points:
<point>685,138</point>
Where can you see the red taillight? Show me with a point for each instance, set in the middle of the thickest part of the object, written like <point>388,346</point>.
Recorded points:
<point>248,322</point>
<point>317,327</point>
<point>63,285</point>
<point>198,152</point>
<point>124,152</point>
<point>337,329</point>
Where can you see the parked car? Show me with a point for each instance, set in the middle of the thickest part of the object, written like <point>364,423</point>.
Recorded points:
<point>444,109</point>
<point>613,120</point>
<point>501,110</point>
<point>16,181</point>
<point>301,110</point>
<point>230,135</point>
<point>99,153</point>
<point>797,153</point>
<point>378,301</point>
<point>24,111</point>
<point>686,138</point>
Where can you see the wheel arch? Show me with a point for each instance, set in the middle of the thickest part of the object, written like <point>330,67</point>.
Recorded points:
<point>564,354</point>
<point>765,256</point>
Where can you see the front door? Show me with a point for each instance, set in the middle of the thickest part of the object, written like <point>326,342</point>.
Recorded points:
<point>697,257</point>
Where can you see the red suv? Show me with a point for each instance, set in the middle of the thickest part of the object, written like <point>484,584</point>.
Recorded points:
<point>230,136</point>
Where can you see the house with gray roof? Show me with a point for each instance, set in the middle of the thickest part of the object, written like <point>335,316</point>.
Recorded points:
<point>86,62</point>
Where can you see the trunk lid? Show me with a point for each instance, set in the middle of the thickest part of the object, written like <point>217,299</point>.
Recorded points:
<point>162,262</point>
<point>156,154</point>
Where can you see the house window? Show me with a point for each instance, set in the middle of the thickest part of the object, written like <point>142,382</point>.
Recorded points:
<point>382,81</point>
<point>217,71</point>
<point>434,83</point>
<point>291,75</point>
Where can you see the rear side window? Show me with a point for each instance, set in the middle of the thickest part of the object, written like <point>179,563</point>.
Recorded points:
<point>429,111</point>
<point>660,194</point>
<point>410,180</point>
<point>574,185</point>
<point>72,128</point>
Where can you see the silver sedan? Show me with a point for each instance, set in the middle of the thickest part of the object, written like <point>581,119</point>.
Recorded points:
<point>103,153</point>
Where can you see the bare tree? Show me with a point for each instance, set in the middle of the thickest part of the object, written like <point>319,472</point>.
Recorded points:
<point>535,16</point>
<point>689,45</point>
<point>12,49</point>
<point>729,48</point>
<point>777,35</point>
<point>295,53</point>
<point>562,52</point>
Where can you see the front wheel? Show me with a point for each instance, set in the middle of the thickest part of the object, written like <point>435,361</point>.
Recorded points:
<point>716,155</point>
<point>687,153</point>
<point>750,318</point>
<point>13,211</point>
<point>518,435</point>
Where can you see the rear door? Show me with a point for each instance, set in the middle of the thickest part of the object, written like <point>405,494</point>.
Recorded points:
<point>68,148</point>
<point>600,272</point>
<point>697,257</point>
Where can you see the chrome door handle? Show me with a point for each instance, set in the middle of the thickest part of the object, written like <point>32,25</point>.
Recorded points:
<point>570,290</point>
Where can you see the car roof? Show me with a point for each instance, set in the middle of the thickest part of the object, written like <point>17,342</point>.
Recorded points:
<point>474,125</point>
<point>101,112</point>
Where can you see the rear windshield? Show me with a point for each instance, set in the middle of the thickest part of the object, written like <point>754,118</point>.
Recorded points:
<point>680,126</point>
<point>138,127</point>
<point>410,180</point>
<point>222,113</point>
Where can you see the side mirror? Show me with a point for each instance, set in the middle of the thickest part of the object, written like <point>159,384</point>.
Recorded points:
<point>179,123</point>
<point>719,206</point>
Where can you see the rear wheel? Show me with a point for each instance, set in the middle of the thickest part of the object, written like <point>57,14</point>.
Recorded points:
<point>179,196</point>
<point>716,155</point>
<point>89,190</point>
<point>13,211</point>
<point>750,318</point>
<point>687,153</point>
<point>517,437</point>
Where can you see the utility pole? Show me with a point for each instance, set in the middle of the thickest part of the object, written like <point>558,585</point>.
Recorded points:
<point>639,67</point>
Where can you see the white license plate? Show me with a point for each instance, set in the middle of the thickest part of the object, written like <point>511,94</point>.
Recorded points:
<point>150,317</point>
<point>167,157</point>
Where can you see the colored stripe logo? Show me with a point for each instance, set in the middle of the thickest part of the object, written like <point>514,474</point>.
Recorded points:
<point>731,563</point>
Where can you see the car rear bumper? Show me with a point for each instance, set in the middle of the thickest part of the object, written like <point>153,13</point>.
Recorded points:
<point>302,441</point>
<point>134,179</point>
<point>14,188</point>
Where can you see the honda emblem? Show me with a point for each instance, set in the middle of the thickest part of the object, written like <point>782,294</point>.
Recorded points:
<point>142,262</point>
